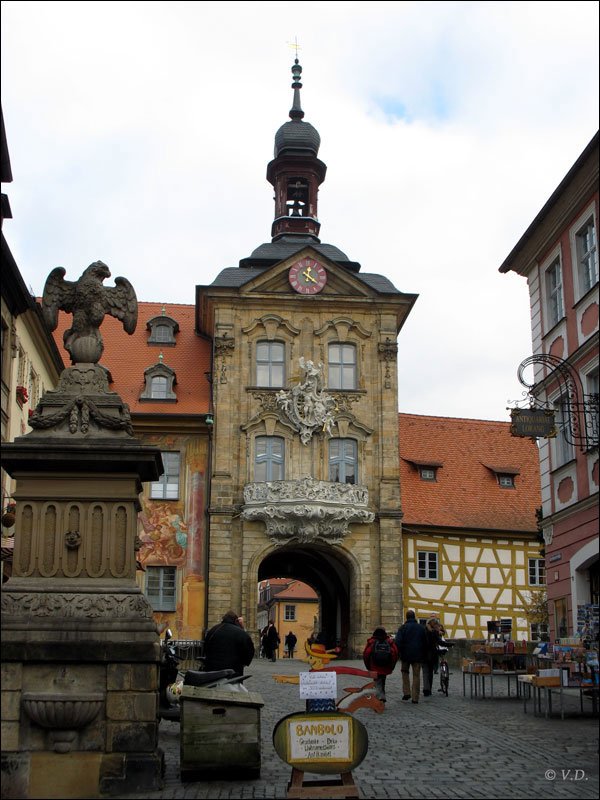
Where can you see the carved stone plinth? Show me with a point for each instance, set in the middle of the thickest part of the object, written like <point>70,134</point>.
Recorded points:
<point>82,406</point>
<point>306,510</point>
<point>80,648</point>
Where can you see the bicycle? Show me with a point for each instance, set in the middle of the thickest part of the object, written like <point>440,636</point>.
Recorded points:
<point>443,667</point>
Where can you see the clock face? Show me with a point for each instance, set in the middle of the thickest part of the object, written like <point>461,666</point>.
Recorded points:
<point>307,276</point>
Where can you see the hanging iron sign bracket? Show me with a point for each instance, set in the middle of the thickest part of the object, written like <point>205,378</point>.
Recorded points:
<point>580,410</point>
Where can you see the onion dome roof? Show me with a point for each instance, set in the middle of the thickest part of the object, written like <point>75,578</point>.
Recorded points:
<point>297,136</point>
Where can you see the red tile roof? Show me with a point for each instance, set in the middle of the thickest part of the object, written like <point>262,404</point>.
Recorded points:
<point>296,590</point>
<point>466,493</point>
<point>128,356</point>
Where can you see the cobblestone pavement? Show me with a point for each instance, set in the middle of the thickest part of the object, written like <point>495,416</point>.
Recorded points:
<point>442,747</point>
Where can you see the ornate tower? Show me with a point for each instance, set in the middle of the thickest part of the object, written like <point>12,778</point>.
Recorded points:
<point>296,173</point>
<point>305,465</point>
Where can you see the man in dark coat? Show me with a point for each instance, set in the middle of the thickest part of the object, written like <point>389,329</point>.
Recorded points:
<point>228,646</point>
<point>411,641</point>
<point>271,643</point>
<point>290,643</point>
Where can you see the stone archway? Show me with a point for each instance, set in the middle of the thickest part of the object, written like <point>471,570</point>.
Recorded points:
<point>335,576</point>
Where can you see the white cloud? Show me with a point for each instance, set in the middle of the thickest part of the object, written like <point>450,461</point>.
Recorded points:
<point>139,134</point>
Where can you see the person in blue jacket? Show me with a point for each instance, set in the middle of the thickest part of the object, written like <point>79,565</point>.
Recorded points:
<point>411,641</point>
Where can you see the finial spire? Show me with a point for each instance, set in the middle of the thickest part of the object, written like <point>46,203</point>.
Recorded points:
<point>296,109</point>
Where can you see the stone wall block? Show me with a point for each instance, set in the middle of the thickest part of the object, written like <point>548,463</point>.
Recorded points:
<point>11,705</point>
<point>11,675</point>
<point>144,677</point>
<point>10,740</point>
<point>145,706</point>
<point>118,677</point>
<point>132,737</point>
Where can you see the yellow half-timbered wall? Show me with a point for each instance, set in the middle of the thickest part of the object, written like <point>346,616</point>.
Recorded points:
<point>480,578</point>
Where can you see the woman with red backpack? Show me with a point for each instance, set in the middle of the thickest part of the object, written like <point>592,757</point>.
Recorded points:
<point>380,655</point>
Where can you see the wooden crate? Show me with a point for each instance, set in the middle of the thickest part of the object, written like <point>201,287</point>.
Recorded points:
<point>220,731</point>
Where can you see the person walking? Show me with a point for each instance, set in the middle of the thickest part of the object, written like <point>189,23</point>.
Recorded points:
<point>380,655</point>
<point>271,642</point>
<point>411,641</point>
<point>290,643</point>
<point>433,631</point>
<point>228,646</point>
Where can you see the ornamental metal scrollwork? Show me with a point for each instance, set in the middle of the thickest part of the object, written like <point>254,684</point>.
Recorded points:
<point>581,410</point>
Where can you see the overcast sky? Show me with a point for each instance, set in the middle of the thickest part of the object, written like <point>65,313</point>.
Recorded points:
<point>139,134</point>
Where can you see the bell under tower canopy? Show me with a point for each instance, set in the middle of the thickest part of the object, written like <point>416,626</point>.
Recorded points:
<point>296,173</point>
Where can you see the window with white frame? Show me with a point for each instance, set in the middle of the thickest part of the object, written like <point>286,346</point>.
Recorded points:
<point>289,613</point>
<point>343,461</point>
<point>537,572</point>
<point>161,588</point>
<point>563,448</point>
<point>506,481</point>
<point>592,421</point>
<point>270,363</point>
<point>427,473</point>
<point>427,564</point>
<point>342,366</point>
<point>587,256</point>
<point>159,387</point>
<point>269,457</point>
<point>167,486</point>
<point>554,293</point>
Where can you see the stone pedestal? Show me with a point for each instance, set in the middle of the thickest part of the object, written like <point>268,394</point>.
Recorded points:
<point>80,649</point>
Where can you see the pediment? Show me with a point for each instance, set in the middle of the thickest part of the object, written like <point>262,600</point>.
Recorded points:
<point>276,278</point>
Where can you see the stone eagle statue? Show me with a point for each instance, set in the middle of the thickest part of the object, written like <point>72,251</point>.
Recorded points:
<point>89,301</point>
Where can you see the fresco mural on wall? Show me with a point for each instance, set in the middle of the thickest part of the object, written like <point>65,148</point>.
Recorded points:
<point>164,535</point>
<point>173,534</point>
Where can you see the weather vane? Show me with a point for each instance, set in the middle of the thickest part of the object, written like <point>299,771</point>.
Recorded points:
<point>295,45</point>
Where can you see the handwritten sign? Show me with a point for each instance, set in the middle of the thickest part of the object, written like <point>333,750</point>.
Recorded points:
<point>321,738</point>
<point>318,685</point>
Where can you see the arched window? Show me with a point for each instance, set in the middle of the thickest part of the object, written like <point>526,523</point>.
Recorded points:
<point>343,461</point>
<point>270,364</point>
<point>342,366</point>
<point>159,382</point>
<point>269,457</point>
<point>162,330</point>
<point>159,387</point>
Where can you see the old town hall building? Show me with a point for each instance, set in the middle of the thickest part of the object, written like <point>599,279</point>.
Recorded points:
<point>305,479</point>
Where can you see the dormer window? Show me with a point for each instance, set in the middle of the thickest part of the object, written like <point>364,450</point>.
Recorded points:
<point>162,330</point>
<point>158,384</point>
<point>427,468</point>
<point>504,475</point>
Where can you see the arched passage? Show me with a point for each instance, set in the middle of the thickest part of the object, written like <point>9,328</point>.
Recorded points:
<point>332,576</point>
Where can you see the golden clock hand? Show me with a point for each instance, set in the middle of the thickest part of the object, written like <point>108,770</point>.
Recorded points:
<point>308,276</point>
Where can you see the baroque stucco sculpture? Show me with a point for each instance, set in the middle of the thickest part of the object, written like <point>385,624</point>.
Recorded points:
<point>306,405</point>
